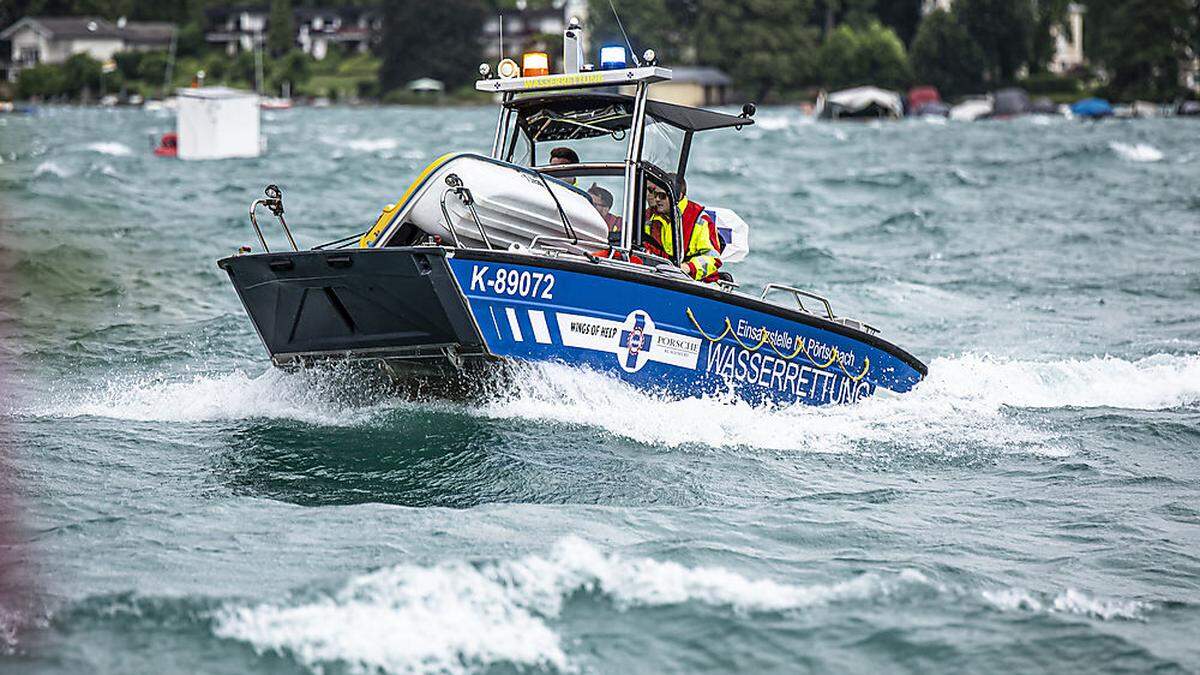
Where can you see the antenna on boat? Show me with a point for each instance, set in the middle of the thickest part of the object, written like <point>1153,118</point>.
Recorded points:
<point>501,54</point>
<point>623,33</point>
<point>169,74</point>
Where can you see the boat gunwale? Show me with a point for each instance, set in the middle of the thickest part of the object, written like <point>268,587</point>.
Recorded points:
<point>649,276</point>
<point>709,291</point>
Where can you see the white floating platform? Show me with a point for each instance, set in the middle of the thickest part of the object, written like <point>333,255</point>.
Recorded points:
<point>218,123</point>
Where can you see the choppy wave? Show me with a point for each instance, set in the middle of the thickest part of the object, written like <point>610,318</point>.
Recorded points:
<point>963,401</point>
<point>458,616</point>
<point>371,144</point>
<point>50,168</point>
<point>1070,601</point>
<point>109,170</point>
<point>110,148</point>
<point>1139,152</point>
<point>773,123</point>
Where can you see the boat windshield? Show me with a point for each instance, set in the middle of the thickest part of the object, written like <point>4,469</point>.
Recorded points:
<point>595,128</point>
<point>584,140</point>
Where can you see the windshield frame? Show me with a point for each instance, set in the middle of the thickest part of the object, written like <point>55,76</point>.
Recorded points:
<point>510,128</point>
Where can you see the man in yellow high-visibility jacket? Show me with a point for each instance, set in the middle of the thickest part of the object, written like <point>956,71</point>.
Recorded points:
<point>702,254</point>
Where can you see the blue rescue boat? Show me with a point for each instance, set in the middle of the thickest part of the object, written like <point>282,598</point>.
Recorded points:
<point>492,260</point>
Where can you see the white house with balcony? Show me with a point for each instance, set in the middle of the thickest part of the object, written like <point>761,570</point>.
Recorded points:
<point>36,40</point>
<point>239,28</point>
<point>523,25</point>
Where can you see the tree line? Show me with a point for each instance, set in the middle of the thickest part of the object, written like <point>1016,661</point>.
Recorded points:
<point>772,48</point>
<point>1135,48</point>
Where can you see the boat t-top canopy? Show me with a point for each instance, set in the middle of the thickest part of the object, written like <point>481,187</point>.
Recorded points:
<point>558,117</point>
<point>572,105</point>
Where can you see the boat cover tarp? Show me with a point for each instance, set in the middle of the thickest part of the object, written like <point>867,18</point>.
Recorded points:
<point>931,108</point>
<point>1092,107</point>
<point>971,109</point>
<point>871,101</point>
<point>1011,101</point>
<point>919,97</point>
<point>1043,106</point>
<point>1147,109</point>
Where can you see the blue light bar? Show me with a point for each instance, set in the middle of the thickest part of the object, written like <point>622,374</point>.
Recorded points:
<point>612,57</point>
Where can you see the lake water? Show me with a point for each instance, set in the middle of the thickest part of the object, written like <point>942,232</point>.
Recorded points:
<point>173,504</point>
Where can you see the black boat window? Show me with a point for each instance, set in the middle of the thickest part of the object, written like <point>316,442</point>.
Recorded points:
<point>520,149</point>
<point>570,119</point>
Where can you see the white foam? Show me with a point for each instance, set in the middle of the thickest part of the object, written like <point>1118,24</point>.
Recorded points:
<point>302,397</point>
<point>1154,383</point>
<point>963,401</point>
<point>772,123</point>
<point>1070,601</point>
<point>372,144</point>
<point>1141,152</point>
<point>49,167</point>
<point>110,148</point>
<point>457,616</point>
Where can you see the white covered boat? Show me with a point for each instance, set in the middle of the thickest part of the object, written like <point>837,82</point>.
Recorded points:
<point>514,205</point>
<point>972,109</point>
<point>860,103</point>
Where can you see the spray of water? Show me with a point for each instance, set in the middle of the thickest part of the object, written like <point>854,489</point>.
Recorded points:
<point>965,400</point>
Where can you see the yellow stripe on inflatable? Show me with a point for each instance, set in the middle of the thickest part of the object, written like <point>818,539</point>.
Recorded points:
<point>385,218</point>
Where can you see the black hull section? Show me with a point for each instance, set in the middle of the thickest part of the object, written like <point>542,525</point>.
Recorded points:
<point>394,303</point>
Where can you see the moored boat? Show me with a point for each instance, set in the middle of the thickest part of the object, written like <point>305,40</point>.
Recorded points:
<point>498,259</point>
<point>859,103</point>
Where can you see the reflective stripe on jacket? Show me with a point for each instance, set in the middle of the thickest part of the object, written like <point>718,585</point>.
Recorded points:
<point>702,258</point>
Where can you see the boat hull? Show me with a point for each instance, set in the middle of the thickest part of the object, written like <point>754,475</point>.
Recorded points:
<point>442,314</point>
<point>392,303</point>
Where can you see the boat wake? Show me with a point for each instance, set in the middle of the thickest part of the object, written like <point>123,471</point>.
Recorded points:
<point>459,616</point>
<point>966,402</point>
<point>325,397</point>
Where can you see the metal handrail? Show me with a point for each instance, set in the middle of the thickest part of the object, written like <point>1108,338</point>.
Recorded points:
<point>797,293</point>
<point>860,325</point>
<point>464,195</point>
<point>650,261</point>
<point>274,203</point>
<point>449,220</point>
<point>572,245</point>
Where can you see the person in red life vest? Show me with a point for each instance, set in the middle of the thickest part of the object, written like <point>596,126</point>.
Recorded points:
<point>603,200</point>
<point>702,250</point>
